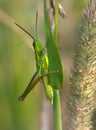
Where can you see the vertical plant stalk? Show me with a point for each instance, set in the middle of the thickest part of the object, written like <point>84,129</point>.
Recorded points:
<point>57,111</point>
<point>56,20</point>
<point>56,100</point>
<point>81,104</point>
<point>55,81</point>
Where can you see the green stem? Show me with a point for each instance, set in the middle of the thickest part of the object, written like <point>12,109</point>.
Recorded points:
<point>56,22</point>
<point>57,111</point>
<point>56,100</point>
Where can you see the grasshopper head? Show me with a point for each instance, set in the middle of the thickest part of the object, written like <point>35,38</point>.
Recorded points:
<point>38,47</point>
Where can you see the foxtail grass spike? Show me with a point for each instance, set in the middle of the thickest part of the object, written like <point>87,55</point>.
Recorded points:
<point>81,103</point>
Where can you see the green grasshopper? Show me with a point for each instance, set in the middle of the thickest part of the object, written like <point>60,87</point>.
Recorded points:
<point>42,69</point>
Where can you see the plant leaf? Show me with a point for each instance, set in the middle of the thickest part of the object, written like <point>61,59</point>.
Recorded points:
<point>55,80</point>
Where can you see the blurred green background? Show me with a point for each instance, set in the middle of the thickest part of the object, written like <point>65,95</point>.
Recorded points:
<point>17,62</point>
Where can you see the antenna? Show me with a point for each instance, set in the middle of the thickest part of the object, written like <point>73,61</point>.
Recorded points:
<point>36,22</point>
<point>24,30</point>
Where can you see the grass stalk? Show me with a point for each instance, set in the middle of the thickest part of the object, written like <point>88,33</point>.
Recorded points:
<point>57,111</point>
<point>53,54</point>
<point>56,100</point>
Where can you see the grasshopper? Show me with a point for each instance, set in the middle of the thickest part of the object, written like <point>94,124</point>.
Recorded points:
<point>42,69</point>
